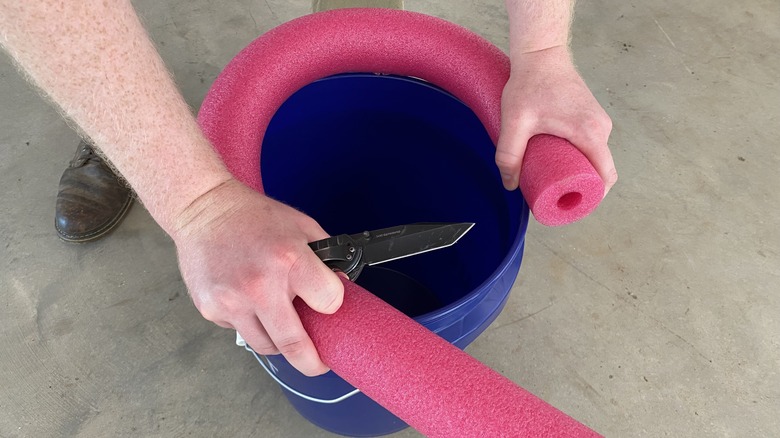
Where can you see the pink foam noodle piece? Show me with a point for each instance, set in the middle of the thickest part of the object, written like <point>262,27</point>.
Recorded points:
<point>558,182</point>
<point>415,374</point>
<point>245,96</point>
<point>423,379</point>
<point>250,89</point>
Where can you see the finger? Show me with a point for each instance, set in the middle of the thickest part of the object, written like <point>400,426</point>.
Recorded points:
<point>592,141</point>
<point>604,164</point>
<point>510,150</point>
<point>288,335</point>
<point>315,283</point>
<point>255,335</point>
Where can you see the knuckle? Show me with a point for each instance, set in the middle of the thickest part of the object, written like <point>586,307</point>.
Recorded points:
<point>220,304</point>
<point>598,124</point>
<point>251,288</point>
<point>292,347</point>
<point>612,176</point>
<point>208,304</point>
<point>297,264</point>
<point>332,296</point>
<point>209,313</point>
<point>607,122</point>
<point>506,160</point>
<point>231,305</point>
<point>286,255</point>
<point>257,338</point>
<point>592,124</point>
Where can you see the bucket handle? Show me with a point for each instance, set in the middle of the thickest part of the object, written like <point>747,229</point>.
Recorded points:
<point>270,369</point>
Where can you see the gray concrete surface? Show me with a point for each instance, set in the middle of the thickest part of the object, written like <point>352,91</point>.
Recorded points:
<point>659,315</point>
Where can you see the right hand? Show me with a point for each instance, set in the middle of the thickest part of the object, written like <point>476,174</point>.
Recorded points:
<point>546,95</point>
<point>244,257</point>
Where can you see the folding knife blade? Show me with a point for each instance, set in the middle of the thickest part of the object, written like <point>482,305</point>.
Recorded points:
<point>394,243</point>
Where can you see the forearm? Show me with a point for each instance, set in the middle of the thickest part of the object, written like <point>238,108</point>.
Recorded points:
<point>536,25</point>
<point>95,60</point>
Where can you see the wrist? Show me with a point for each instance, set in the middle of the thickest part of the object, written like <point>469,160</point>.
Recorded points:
<point>537,25</point>
<point>551,58</point>
<point>550,49</point>
<point>185,170</point>
<point>208,208</point>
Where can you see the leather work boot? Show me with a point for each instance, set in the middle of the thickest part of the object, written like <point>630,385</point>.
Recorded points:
<point>91,200</point>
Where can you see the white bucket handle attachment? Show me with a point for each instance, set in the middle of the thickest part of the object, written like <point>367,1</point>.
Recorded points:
<point>271,370</point>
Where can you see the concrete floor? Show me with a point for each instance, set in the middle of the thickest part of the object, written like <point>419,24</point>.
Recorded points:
<point>659,315</point>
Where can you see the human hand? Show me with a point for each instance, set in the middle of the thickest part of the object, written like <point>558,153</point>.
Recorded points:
<point>546,95</point>
<point>244,258</point>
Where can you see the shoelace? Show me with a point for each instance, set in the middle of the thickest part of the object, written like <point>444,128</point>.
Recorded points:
<point>85,154</point>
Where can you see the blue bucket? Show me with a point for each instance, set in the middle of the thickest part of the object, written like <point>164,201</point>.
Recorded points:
<point>364,151</point>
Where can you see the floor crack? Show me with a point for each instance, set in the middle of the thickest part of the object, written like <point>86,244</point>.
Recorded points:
<point>523,318</point>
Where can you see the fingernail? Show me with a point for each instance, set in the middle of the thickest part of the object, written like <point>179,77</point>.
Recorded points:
<point>509,181</point>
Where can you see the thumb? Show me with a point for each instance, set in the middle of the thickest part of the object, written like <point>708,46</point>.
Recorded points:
<point>512,142</point>
<point>509,157</point>
<point>318,286</point>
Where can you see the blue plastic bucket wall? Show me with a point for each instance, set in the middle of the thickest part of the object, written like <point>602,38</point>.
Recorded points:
<point>362,151</point>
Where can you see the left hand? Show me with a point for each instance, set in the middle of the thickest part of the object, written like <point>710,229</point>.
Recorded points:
<point>244,258</point>
<point>546,95</point>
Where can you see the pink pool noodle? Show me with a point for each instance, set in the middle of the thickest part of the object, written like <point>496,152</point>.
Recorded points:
<point>558,182</point>
<point>261,77</point>
<point>418,376</point>
<point>423,379</point>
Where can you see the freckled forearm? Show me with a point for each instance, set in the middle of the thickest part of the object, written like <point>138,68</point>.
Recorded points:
<point>536,25</point>
<point>95,61</point>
